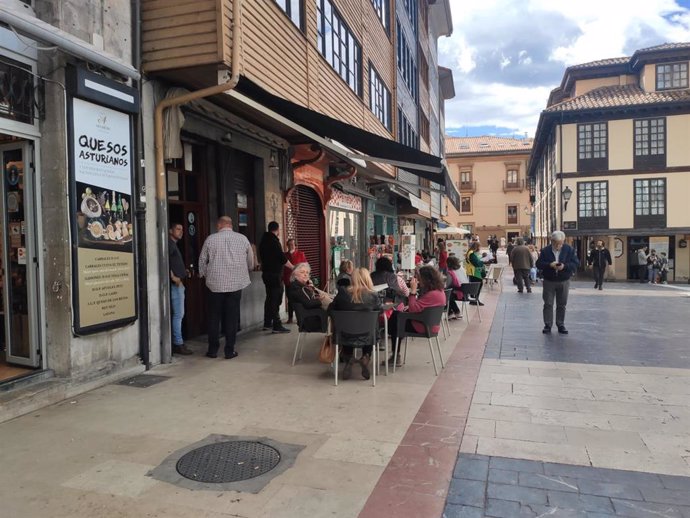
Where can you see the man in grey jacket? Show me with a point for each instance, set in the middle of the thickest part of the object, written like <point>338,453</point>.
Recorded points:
<point>521,259</point>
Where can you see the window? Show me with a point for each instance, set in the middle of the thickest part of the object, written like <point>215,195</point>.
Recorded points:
<point>650,142</point>
<point>382,8</point>
<point>673,75</point>
<point>465,177</point>
<point>592,144</point>
<point>423,69</point>
<point>406,63</point>
<point>338,45</point>
<point>650,202</point>
<point>592,205</point>
<point>512,214</point>
<point>511,177</point>
<point>293,8</point>
<point>424,127</point>
<point>465,204</point>
<point>406,133</point>
<point>379,98</point>
<point>411,8</point>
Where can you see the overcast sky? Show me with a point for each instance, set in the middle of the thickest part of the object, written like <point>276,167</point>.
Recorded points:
<point>507,55</point>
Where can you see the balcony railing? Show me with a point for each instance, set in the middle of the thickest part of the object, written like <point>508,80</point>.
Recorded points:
<point>518,185</point>
<point>468,187</point>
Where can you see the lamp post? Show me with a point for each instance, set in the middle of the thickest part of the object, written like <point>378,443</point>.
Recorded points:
<point>567,193</point>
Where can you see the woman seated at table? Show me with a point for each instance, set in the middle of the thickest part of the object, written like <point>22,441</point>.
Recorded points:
<point>345,273</point>
<point>426,291</point>
<point>456,278</point>
<point>302,291</point>
<point>383,274</point>
<point>358,296</point>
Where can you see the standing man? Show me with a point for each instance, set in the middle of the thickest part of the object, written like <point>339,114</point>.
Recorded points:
<point>558,263</point>
<point>178,274</point>
<point>272,262</point>
<point>642,264</point>
<point>509,250</point>
<point>599,258</point>
<point>225,261</point>
<point>522,262</point>
<point>493,246</point>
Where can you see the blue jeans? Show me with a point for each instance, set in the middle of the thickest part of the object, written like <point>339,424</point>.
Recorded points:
<point>176,313</point>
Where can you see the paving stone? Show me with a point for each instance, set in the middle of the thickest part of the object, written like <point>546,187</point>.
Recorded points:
<point>529,466</point>
<point>595,487</point>
<point>462,511</point>
<point>502,476</point>
<point>540,481</point>
<point>646,509</point>
<point>502,508</point>
<point>675,482</point>
<point>472,469</point>
<point>527,495</point>
<point>543,511</point>
<point>666,496</point>
<point>467,492</point>
<point>590,503</point>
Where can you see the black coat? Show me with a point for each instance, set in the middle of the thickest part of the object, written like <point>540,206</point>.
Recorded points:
<point>271,254</point>
<point>304,295</point>
<point>599,258</point>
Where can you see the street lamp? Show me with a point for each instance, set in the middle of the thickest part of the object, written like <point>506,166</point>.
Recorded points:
<point>567,193</point>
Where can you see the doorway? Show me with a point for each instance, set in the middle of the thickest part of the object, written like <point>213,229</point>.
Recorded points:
<point>19,342</point>
<point>634,244</point>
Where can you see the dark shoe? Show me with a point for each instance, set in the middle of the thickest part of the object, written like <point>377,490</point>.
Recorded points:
<point>289,321</point>
<point>596,286</point>
<point>364,361</point>
<point>480,303</point>
<point>562,330</point>
<point>391,361</point>
<point>519,291</point>
<point>268,327</point>
<point>231,355</point>
<point>601,288</point>
<point>347,371</point>
<point>529,291</point>
<point>181,349</point>
<point>546,330</point>
<point>472,302</point>
<point>211,355</point>
<point>281,329</point>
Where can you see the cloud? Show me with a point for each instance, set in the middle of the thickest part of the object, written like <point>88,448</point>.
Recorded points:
<point>507,56</point>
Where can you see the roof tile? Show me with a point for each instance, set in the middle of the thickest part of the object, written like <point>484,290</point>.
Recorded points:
<point>616,96</point>
<point>486,144</point>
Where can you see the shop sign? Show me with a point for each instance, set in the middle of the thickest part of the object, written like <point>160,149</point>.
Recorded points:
<point>617,247</point>
<point>100,147</point>
<point>342,200</point>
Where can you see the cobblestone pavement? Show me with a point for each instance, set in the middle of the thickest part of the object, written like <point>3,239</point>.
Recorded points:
<point>595,423</point>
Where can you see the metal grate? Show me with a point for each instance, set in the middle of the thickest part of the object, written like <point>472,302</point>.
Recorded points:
<point>229,461</point>
<point>305,223</point>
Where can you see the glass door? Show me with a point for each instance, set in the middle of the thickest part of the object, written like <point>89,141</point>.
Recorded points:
<point>17,263</point>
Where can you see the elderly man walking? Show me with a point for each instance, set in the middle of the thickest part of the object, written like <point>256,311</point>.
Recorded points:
<point>521,259</point>
<point>225,262</point>
<point>558,263</point>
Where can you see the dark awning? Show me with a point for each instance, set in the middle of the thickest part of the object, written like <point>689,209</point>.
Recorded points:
<point>371,147</point>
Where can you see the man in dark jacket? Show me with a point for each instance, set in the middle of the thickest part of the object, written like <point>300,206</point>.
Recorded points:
<point>272,260</point>
<point>599,258</point>
<point>558,263</point>
<point>178,274</point>
<point>522,262</point>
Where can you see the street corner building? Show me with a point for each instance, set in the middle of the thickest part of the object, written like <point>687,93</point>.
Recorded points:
<point>611,159</point>
<point>115,126</point>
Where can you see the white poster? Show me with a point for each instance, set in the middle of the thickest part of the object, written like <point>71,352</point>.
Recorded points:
<point>407,252</point>
<point>102,154</point>
<point>458,248</point>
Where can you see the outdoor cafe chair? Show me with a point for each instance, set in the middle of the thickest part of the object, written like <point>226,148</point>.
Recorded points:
<point>470,289</point>
<point>429,318</point>
<point>444,318</point>
<point>495,276</point>
<point>302,315</point>
<point>356,329</point>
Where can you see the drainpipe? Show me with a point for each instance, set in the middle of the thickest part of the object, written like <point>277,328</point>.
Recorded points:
<point>161,190</point>
<point>140,208</point>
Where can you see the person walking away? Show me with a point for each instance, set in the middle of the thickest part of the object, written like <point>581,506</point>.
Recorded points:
<point>357,296</point>
<point>456,278</point>
<point>652,266</point>
<point>293,257</point>
<point>178,274</point>
<point>225,262</point>
<point>475,270</point>
<point>522,262</point>
<point>642,264</point>
<point>558,263</point>
<point>273,261</point>
<point>442,257</point>
<point>599,259</point>
<point>494,249</point>
<point>509,250</point>
<point>533,271</point>
<point>663,268</point>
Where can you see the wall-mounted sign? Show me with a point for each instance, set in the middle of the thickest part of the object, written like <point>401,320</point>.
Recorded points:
<point>342,200</point>
<point>100,152</point>
<point>617,247</point>
<point>570,225</point>
<point>682,243</point>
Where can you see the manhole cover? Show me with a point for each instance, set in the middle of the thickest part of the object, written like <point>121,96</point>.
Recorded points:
<point>229,461</point>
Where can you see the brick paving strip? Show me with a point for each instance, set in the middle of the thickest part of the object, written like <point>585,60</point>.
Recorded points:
<point>416,480</point>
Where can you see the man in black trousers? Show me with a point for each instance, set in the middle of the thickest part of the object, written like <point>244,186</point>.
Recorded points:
<point>599,259</point>
<point>272,260</point>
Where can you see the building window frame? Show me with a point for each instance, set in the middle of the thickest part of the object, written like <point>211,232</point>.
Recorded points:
<point>593,205</point>
<point>332,32</point>
<point>672,76</point>
<point>650,202</point>
<point>380,101</point>
<point>512,214</point>
<point>465,204</point>
<point>406,132</point>
<point>592,146</point>
<point>649,143</point>
<point>424,131</point>
<point>407,63</point>
<point>294,9</point>
<point>383,12</point>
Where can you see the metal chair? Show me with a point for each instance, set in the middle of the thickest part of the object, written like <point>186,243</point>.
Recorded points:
<point>495,276</point>
<point>356,329</point>
<point>429,318</point>
<point>470,289</point>
<point>444,318</point>
<point>304,320</point>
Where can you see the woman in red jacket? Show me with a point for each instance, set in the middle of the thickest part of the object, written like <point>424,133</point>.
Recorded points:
<point>293,256</point>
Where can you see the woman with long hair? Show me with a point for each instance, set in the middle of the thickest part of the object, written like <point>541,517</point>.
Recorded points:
<point>358,296</point>
<point>456,278</point>
<point>345,273</point>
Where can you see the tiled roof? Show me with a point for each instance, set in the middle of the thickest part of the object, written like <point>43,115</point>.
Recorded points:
<point>615,96</point>
<point>667,46</point>
<point>487,144</point>
<point>601,63</point>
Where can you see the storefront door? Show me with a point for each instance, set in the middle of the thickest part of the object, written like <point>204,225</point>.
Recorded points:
<point>18,268</point>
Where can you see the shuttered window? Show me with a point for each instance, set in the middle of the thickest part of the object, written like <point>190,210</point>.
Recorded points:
<point>305,224</point>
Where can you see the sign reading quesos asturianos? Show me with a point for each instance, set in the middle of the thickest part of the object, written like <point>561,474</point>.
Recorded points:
<point>102,217</point>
